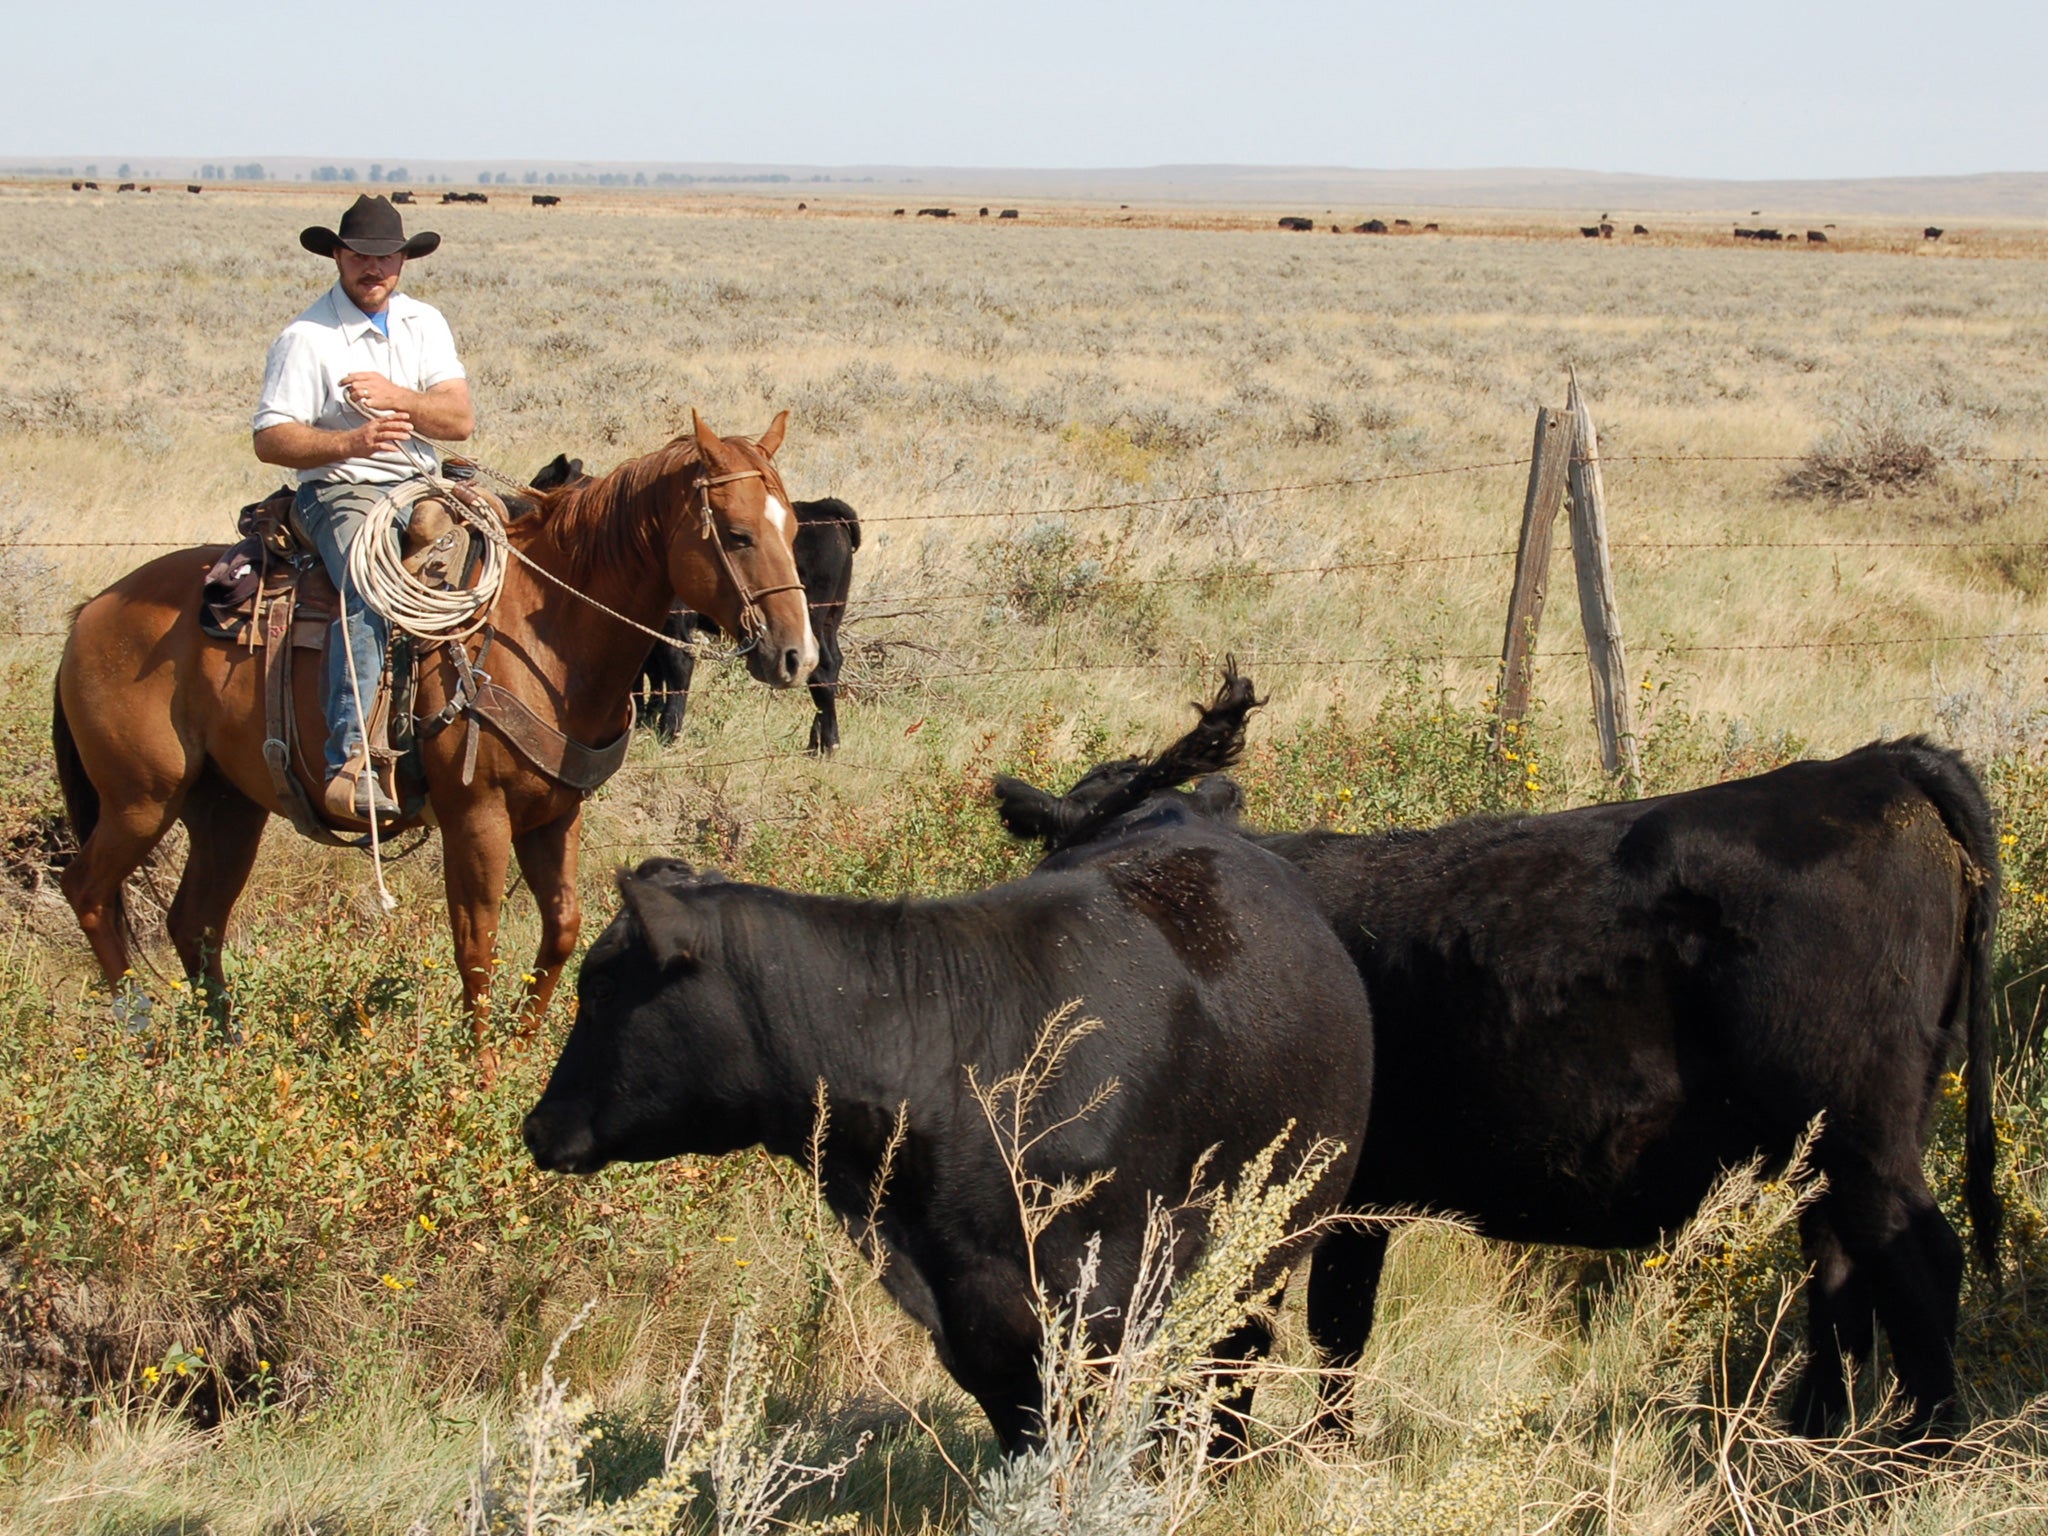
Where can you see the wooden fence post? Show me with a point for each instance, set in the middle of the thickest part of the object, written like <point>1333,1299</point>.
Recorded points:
<point>1606,659</point>
<point>1549,469</point>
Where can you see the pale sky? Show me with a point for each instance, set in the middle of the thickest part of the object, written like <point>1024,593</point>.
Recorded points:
<point>1739,88</point>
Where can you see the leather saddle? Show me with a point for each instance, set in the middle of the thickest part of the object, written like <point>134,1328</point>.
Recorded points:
<point>270,592</point>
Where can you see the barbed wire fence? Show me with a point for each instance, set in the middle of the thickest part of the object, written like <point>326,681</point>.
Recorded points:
<point>868,608</point>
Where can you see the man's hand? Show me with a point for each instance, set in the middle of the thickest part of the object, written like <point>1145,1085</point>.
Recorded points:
<point>374,437</point>
<point>442,413</point>
<point>375,392</point>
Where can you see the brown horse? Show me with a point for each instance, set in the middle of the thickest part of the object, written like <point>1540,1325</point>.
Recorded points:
<point>156,722</point>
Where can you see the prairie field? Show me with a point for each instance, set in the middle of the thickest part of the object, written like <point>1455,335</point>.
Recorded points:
<point>309,1282</point>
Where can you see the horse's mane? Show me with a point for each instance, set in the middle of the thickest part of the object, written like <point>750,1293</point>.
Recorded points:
<point>610,522</point>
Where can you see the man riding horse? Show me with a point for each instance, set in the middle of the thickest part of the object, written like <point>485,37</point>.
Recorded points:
<point>349,389</point>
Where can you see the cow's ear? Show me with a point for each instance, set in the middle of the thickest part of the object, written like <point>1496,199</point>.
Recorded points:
<point>771,440</point>
<point>708,442</point>
<point>668,925</point>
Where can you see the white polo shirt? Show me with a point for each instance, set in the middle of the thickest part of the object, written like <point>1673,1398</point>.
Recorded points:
<point>332,339</point>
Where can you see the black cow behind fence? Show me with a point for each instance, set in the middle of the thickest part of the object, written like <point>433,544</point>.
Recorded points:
<point>714,1016</point>
<point>1583,1018</point>
<point>827,534</point>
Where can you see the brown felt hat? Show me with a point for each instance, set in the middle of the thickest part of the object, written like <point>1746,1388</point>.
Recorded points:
<point>371,227</point>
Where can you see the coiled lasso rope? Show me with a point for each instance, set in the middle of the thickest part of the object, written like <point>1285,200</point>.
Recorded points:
<point>378,573</point>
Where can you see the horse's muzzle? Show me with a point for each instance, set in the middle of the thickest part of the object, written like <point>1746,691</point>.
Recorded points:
<point>783,665</point>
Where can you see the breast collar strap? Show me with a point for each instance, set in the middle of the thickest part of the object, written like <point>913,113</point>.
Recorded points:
<point>753,623</point>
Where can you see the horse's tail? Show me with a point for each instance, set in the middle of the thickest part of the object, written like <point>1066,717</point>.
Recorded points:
<point>81,799</point>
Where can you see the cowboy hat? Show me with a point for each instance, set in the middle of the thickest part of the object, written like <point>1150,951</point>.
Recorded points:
<point>371,227</point>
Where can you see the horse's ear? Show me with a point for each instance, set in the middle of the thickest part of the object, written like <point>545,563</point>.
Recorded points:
<point>665,922</point>
<point>771,440</point>
<point>708,441</point>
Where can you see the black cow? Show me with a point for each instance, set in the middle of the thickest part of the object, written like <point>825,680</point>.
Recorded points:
<point>1815,237</point>
<point>1291,222</point>
<point>1590,231</point>
<point>1429,229</point>
<point>709,1016</point>
<point>935,213</point>
<point>1642,229</point>
<point>126,186</point>
<point>545,199</point>
<point>1582,1018</point>
<point>1930,233</point>
<point>1370,227</point>
<point>827,534</point>
<point>1007,213</point>
<point>401,197</point>
<point>1744,234</point>
<point>194,187</point>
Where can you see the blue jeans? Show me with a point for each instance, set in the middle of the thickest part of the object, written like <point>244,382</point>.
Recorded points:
<point>332,512</point>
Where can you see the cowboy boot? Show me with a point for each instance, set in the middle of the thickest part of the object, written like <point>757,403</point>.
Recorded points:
<point>354,795</point>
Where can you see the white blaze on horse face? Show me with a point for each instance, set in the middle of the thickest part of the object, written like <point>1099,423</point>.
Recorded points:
<point>784,523</point>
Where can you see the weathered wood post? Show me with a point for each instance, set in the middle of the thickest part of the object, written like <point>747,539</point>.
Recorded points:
<point>1606,659</point>
<point>1549,470</point>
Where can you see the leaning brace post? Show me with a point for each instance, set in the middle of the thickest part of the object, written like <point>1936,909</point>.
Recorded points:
<point>1549,464</point>
<point>1613,716</point>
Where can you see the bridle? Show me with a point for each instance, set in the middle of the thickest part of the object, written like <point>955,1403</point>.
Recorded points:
<point>753,622</point>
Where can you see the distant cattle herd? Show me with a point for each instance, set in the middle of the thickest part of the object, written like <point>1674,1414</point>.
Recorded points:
<point>1603,229</point>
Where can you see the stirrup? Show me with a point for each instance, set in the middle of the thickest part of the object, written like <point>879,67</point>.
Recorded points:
<point>354,795</point>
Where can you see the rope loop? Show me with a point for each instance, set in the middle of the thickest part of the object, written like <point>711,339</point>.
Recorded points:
<point>377,570</point>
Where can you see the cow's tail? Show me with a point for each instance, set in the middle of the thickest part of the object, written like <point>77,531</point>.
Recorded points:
<point>1965,810</point>
<point>1214,744</point>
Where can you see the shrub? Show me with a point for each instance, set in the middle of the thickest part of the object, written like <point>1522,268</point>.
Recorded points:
<point>1888,440</point>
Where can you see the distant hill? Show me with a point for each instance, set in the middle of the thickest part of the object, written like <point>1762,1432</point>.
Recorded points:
<point>1993,195</point>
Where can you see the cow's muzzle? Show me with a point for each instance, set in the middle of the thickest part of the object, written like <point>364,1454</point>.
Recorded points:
<point>560,1139</point>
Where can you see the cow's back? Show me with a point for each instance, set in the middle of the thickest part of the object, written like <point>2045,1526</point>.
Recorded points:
<point>1590,1013</point>
<point>1229,1012</point>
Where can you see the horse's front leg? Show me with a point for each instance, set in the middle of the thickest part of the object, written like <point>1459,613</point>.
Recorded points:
<point>476,847</point>
<point>547,858</point>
